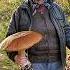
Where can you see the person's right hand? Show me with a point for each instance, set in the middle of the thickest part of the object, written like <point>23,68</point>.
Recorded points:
<point>22,61</point>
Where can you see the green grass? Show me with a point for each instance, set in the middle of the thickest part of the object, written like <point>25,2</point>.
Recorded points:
<point>6,63</point>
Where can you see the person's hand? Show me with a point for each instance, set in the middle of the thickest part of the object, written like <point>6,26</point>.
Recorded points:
<point>22,61</point>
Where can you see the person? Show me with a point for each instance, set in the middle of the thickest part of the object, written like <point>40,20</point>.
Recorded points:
<point>47,18</point>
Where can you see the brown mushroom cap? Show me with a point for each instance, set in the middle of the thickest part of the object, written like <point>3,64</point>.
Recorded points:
<point>20,41</point>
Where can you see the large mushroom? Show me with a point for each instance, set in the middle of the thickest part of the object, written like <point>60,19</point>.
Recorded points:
<point>20,41</point>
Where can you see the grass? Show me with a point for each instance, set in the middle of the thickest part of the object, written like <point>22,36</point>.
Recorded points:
<point>6,63</point>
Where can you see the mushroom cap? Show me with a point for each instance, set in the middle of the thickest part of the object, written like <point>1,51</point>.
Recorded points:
<point>20,41</point>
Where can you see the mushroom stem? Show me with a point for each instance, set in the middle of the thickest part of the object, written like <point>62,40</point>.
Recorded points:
<point>21,53</point>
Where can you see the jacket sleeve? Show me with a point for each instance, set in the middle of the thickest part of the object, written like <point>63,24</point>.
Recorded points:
<point>67,32</point>
<point>66,26</point>
<point>20,22</point>
<point>13,28</point>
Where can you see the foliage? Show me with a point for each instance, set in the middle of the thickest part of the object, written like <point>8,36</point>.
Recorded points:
<point>6,63</point>
<point>65,4</point>
<point>7,7</point>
